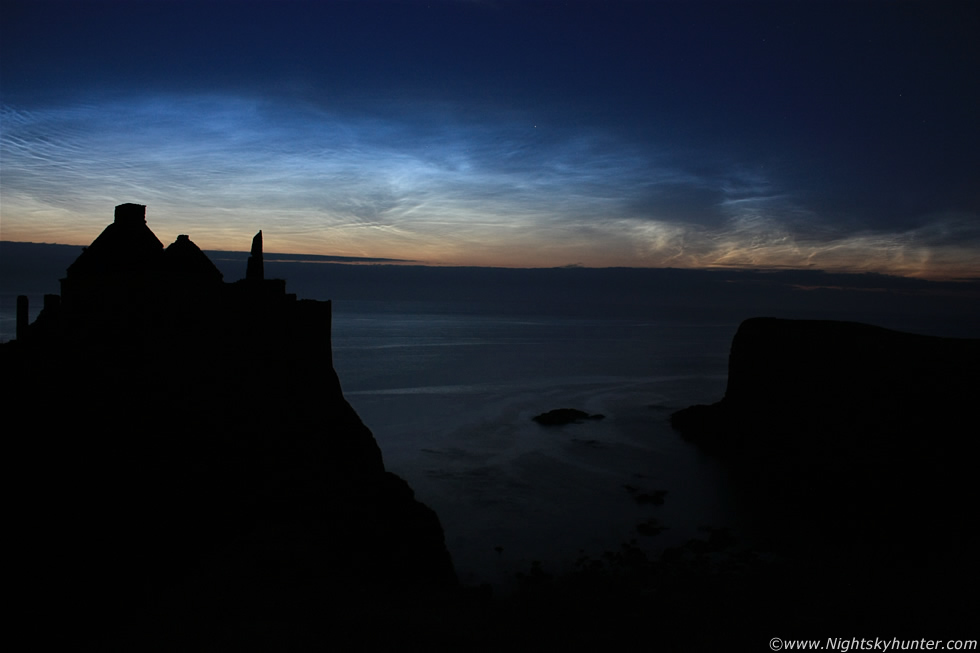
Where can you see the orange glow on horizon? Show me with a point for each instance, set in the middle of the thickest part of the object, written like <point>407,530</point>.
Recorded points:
<point>648,248</point>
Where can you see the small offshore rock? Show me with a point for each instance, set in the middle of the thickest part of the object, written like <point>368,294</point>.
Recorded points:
<point>561,416</point>
<point>656,497</point>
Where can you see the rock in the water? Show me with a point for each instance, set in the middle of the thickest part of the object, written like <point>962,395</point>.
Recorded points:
<point>656,497</point>
<point>560,416</point>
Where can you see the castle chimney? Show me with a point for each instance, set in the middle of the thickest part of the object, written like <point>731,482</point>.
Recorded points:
<point>255,268</point>
<point>130,215</point>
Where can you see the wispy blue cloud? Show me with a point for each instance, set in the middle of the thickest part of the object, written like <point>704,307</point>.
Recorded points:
<point>508,133</point>
<point>423,186</point>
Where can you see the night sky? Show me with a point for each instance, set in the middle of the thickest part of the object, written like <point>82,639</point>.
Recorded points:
<point>814,135</point>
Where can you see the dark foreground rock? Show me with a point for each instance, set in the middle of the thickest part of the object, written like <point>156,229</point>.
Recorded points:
<point>851,453</point>
<point>184,456</point>
<point>790,380</point>
<point>562,416</point>
<point>185,474</point>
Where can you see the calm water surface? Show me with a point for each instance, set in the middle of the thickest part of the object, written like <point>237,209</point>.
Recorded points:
<point>449,390</point>
<point>450,397</point>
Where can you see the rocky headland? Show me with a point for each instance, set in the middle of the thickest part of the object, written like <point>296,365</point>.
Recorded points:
<point>849,418</point>
<point>851,451</point>
<point>186,465</point>
<point>792,381</point>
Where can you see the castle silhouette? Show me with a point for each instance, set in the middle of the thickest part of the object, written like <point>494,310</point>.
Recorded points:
<point>192,454</point>
<point>126,282</point>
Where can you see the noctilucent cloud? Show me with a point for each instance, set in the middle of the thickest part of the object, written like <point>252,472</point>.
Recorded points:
<point>837,136</point>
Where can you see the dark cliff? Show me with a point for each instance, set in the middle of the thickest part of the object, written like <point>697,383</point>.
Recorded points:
<point>851,452</point>
<point>184,449</point>
<point>840,381</point>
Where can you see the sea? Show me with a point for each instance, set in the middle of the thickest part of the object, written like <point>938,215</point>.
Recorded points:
<point>450,398</point>
<point>448,373</point>
<point>449,393</point>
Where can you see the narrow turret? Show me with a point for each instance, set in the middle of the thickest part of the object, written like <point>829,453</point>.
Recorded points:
<point>255,270</point>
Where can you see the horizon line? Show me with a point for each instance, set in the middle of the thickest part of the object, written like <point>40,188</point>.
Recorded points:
<point>290,257</point>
